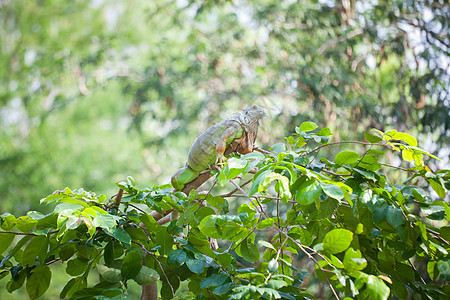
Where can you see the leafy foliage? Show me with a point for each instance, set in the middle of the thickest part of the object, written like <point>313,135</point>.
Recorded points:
<point>152,75</point>
<point>367,235</point>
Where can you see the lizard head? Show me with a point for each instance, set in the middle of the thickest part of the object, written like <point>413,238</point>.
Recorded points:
<point>251,116</point>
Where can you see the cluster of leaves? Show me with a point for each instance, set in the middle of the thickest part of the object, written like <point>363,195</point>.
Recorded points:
<point>366,236</point>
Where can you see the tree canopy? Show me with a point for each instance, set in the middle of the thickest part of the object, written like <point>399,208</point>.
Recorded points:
<point>93,91</point>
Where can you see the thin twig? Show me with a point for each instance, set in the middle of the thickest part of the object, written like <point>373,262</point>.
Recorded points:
<point>344,142</point>
<point>414,267</point>
<point>310,257</point>
<point>139,209</point>
<point>249,198</point>
<point>400,168</point>
<point>235,190</point>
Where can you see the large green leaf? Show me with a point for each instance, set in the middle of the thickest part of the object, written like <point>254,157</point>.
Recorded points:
<point>306,126</point>
<point>258,181</point>
<point>39,281</point>
<point>146,276</point>
<point>122,236</point>
<point>249,251</point>
<point>332,190</point>
<point>224,288</point>
<point>176,258</point>
<point>195,265</point>
<point>346,158</point>
<point>164,239</point>
<point>131,265</point>
<point>74,285</point>
<point>353,260</point>
<point>5,240</point>
<point>308,192</point>
<point>208,227</point>
<point>8,221</point>
<point>337,240</point>
<point>213,280</point>
<point>35,247</point>
<point>444,268</point>
<point>25,223</point>
<point>109,274</point>
<point>377,289</point>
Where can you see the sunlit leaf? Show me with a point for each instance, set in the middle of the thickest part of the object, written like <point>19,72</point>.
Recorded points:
<point>337,240</point>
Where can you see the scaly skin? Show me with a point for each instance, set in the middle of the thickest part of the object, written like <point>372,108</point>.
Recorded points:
<point>210,146</point>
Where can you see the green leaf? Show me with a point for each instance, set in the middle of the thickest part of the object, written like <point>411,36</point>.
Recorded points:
<point>305,236</point>
<point>76,266</point>
<point>146,276</point>
<point>432,270</point>
<point>409,139</point>
<point>353,260</point>
<point>25,223</point>
<point>5,241</point>
<point>213,280</point>
<point>377,289</point>
<point>122,236</point>
<point>39,281</point>
<point>395,216</point>
<point>16,282</point>
<point>265,223</point>
<point>324,132</point>
<point>195,265</point>
<point>34,248</point>
<point>176,258</point>
<point>109,274</point>
<point>306,126</point>
<point>249,251</point>
<point>8,221</point>
<point>208,227</point>
<point>234,167</point>
<point>272,266</point>
<point>332,191</point>
<point>74,285</point>
<point>337,240</point>
<point>224,288</point>
<point>217,202</point>
<point>131,265</point>
<point>278,148</point>
<point>434,212</point>
<point>224,259</point>
<point>149,222</point>
<point>308,192</point>
<point>164,239</point>
<point>444,269</point>
<point>245,208</point>
<point>258,181</point>
<point>437,186</point>
<point>346,158</point>
<point>372,137</point>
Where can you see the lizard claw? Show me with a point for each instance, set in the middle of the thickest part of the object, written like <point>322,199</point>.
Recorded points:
<point>221,159</point>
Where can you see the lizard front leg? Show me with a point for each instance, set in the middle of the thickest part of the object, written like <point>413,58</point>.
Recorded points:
<point>228,135</point>
<point>246,143</point>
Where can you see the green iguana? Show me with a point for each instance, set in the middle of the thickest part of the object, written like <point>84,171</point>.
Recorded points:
<point>208,149</point>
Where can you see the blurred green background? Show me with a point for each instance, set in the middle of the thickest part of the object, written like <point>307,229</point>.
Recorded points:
<point>93,91</point>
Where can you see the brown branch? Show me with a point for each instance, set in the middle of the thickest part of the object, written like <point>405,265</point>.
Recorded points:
<point>262,151</point>
<point>118,198</point>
